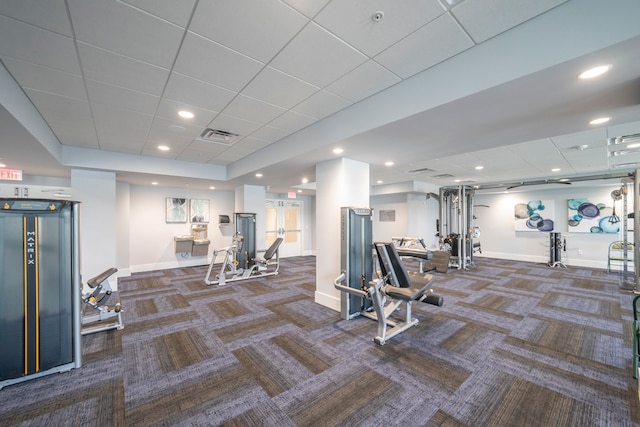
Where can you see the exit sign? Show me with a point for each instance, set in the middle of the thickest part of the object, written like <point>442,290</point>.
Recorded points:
<point>11,174</point>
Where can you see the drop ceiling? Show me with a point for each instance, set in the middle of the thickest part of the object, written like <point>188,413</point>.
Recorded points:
<point>442,85</point>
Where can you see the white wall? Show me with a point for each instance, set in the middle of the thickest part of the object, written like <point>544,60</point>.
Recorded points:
<point>152,239</point>
<point>415,217</point>
<point>500,240</point>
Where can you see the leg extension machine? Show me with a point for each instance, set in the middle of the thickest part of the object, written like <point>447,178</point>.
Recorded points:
<point>97,299</point>
<point>395,287</point>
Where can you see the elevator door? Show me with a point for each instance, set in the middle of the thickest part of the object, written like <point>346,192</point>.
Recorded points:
<point>283,219</point>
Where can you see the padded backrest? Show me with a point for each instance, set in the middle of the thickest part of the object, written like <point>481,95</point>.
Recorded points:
<point>390,262</point>
<point>272,249</point>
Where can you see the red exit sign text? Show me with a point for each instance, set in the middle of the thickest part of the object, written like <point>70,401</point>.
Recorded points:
<point>11,174</point>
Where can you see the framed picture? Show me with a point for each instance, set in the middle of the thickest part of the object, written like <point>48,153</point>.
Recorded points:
<point>534,215</point>
<point>199,210</point>
<point>176,210</point>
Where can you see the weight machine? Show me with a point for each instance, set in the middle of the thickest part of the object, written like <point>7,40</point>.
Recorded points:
<point>104,317</point>
<point>40,290</point>
<point>376,299</point>
<point>456,230</point>
<point>240,261</point>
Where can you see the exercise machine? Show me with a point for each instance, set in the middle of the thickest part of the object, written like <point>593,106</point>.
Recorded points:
<point>356,258</point>
<point>229,270</point>
<point>394,288</point>
<point>456,225</point>
<point>102,317</point>
<point>414,247</point>
<point>556,246</point>
<point>40,290</point>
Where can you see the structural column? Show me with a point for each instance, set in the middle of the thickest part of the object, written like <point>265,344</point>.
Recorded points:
<point>340,182</point>
<point>97,193</point>
<point>253,199</point>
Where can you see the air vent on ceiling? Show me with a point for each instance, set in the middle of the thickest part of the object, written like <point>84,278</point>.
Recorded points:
<point>418,171</point>
<point>442,175</point>
<point>218,136</point>
<point>626,139</point>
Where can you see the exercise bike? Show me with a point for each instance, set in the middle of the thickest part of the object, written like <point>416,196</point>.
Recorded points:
<point>104,317</point>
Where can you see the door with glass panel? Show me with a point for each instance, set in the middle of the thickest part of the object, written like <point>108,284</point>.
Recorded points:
<point>283,219</point>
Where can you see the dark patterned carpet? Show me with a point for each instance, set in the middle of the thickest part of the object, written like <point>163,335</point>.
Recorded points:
<point>515,344</point>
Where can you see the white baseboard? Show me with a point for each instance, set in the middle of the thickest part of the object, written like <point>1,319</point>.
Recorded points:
<point>329,301</point>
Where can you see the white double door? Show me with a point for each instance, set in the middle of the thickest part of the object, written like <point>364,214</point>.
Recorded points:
<point>283,219</point>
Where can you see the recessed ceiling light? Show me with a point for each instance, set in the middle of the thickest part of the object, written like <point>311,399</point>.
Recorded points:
<point>555,170</point>
<point>456,180</point>
<point>185,114</point>
<point>212,188</point>
<point>599,120</point>
<point>154,183</point>
<point>299,191</point>
<point>163,148</point>
<point>338,150</point>
<point>594,72</point>
<point>379,181</point>
<point>305,180</point>
<point>2,165</point>
<point>479,168</point>
<point>389,163</point>
<point>258,175</point>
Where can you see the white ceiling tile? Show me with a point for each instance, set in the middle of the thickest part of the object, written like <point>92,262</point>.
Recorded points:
<point>317,56</point>
<point>210,148</point>
<point>42,47</point>
<point>50,15</point>
<point>364,81</point>
<point>120,142</point>
<point>76,134</point>
<point>252,109</point>
<point>168,109</point>
<point>254,143</point>
<point>178,13</point>
<point>112,123</point>
<point>592,138</point>
<point>213,63</point>
<point>110,67</point>
<point>623,130</point>
<point>320,105</point>
<point>437,41</point>
<point>164,130</point>
<point>33,76</point>
<point>234,125</point>
<point>126,30</point>
<point>483,19</point>
<point>181,88</point>
<point>309,8</point>
<point>351,20</point>
<point>115,96</point>
<point>278,88</point>
<point>270,133</point>
<point>60,110</point>
<point>258,29</point>
<point>292,121</point>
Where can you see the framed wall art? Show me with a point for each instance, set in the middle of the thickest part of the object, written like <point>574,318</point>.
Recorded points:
<point>199,210</point>
<point>176,210</point>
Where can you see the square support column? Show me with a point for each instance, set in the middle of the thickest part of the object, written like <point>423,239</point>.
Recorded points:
<point>341,182</point>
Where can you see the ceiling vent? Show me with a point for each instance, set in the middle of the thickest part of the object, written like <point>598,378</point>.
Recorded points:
<point>626,139</point>
<point>442,176</point>
<point>219,136</point>
<point>419,171</point>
